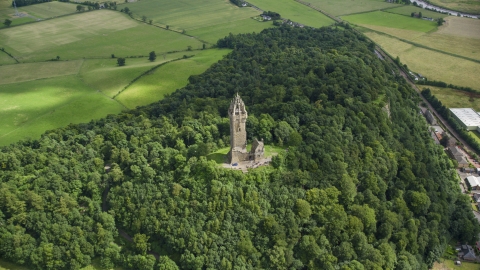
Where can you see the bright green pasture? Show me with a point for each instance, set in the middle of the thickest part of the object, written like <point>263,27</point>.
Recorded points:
<point>289,9</point>
<point>189,15</point>
<point>213,33</point>
<point>49,9</point>
<point>407,11</point>
<point>344,7</point>
<point>34,71</point>
<point>91,34</point>
<point>16,21</point>
<point>386,19</point>
<point>106,76</point>
<point>220,156</point>
<point>168,78</point>
<point>30,108</point>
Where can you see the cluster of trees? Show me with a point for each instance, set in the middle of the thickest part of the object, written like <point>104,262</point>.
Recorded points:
<point>21,3</point>
<point>238,2</point>
<point>447,115</point>
<point>7,22</point>
<point>273,15</point>
<point>362,185</point>
<point>449,85</point>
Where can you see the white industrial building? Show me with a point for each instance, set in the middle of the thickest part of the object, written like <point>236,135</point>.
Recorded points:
<point>473,182</point>
<point>468,117</point>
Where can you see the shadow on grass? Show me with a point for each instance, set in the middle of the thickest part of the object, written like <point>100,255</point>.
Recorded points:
<point>217,157</point>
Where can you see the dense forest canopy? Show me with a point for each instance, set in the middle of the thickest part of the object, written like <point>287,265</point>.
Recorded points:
<point>362,185</point>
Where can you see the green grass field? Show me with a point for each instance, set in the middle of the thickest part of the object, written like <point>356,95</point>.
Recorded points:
<point>433,65</point>
<point>289,9</point>
<point>190,15</point>
<point>475,135</point>
<point>106,76</point>
<point>386,19</point>
<point>5,59</point>
<point>453,98</point>
<point>29,108</point>
<point>213,33</point>
<point>168,78</point>
<point>345,7</point>
<point>468,6</point>
<point>49,9</point>
<point>449,265</point>
<point>34,71</point>
<point>407,11</point>
<point>91,34</point>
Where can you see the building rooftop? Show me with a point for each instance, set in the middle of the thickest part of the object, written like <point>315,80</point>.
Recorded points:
<point>473,181</point>
<point>468,116</point>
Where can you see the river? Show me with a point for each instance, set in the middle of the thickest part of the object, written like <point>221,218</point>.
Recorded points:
<point>443,10</point>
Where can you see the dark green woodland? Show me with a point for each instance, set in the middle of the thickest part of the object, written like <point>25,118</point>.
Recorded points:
<point>361,186</point>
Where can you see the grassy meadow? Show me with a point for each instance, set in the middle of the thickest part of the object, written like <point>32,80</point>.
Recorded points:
<point>192,15</point>
<point>5,59</point>
<point>213,33</point>
<point>407,11</point>
<point>386,19</point>
<point>35,71</point>
<point>433,65</point>
<point>168,78</point>
<point>345,7</point>
<point>49,9</point>
<point>294,11</point>
<point>220,156</point>
<point>452,98</point>
<point>91,34</point>
<point>104,74</point>
<point>31,107</point>
<point>468,6</point>
<point>450,265</point>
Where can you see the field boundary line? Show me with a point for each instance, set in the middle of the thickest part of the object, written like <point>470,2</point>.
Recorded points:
<point>13,57</point>
<point>146,72</point>
<point>423,46</point>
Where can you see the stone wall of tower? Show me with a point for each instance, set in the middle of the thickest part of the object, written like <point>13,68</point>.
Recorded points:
<point>238,133</point>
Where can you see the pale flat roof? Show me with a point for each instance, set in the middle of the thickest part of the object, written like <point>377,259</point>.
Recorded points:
<point>473,181</point>
<point>468,116</point>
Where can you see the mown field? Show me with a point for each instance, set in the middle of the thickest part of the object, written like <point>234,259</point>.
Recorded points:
<point>452,98</point>
<point>91,34</point>
<point>29,108</point>
<point>407,11</point>
<point>49,9</point>
<point>294,11</point>
<point>468,6</point>
<point>195,15</point>
<point>168,78</point>
<point>449,265</point>
<point>33,100</point>
<point>213,33</point>
<point>104,74</point>
<point>433,65</point>
<point>386,19</point>
<point>345,7</point>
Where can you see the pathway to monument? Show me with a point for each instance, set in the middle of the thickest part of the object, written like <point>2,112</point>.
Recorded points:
<point>245,165</point>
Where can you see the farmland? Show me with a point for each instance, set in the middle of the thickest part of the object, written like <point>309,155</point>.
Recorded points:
<point>294,11</point>
<point>460,5</point>
<point>194,15</point>
<point>345,7</point>
<point>49,9</point>
<point>91,34</point>
<point>34,71</point>
<point>452,98</point>
<point>385,19</point>
<point>168,78</point>
<point>407,11</point>
<point>433,65</point>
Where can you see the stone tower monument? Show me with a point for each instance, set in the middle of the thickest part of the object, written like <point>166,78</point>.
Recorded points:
<point>238,134</point>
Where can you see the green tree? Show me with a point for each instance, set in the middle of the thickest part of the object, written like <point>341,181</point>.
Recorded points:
<point>121,61</point>
<point>7,22</point>
<point>80,8</point>
<point>152,56</point>
<point>141,244</point>
<point>144,18</point>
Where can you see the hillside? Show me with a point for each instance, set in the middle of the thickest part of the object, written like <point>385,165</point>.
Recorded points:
<point>358,188</point>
